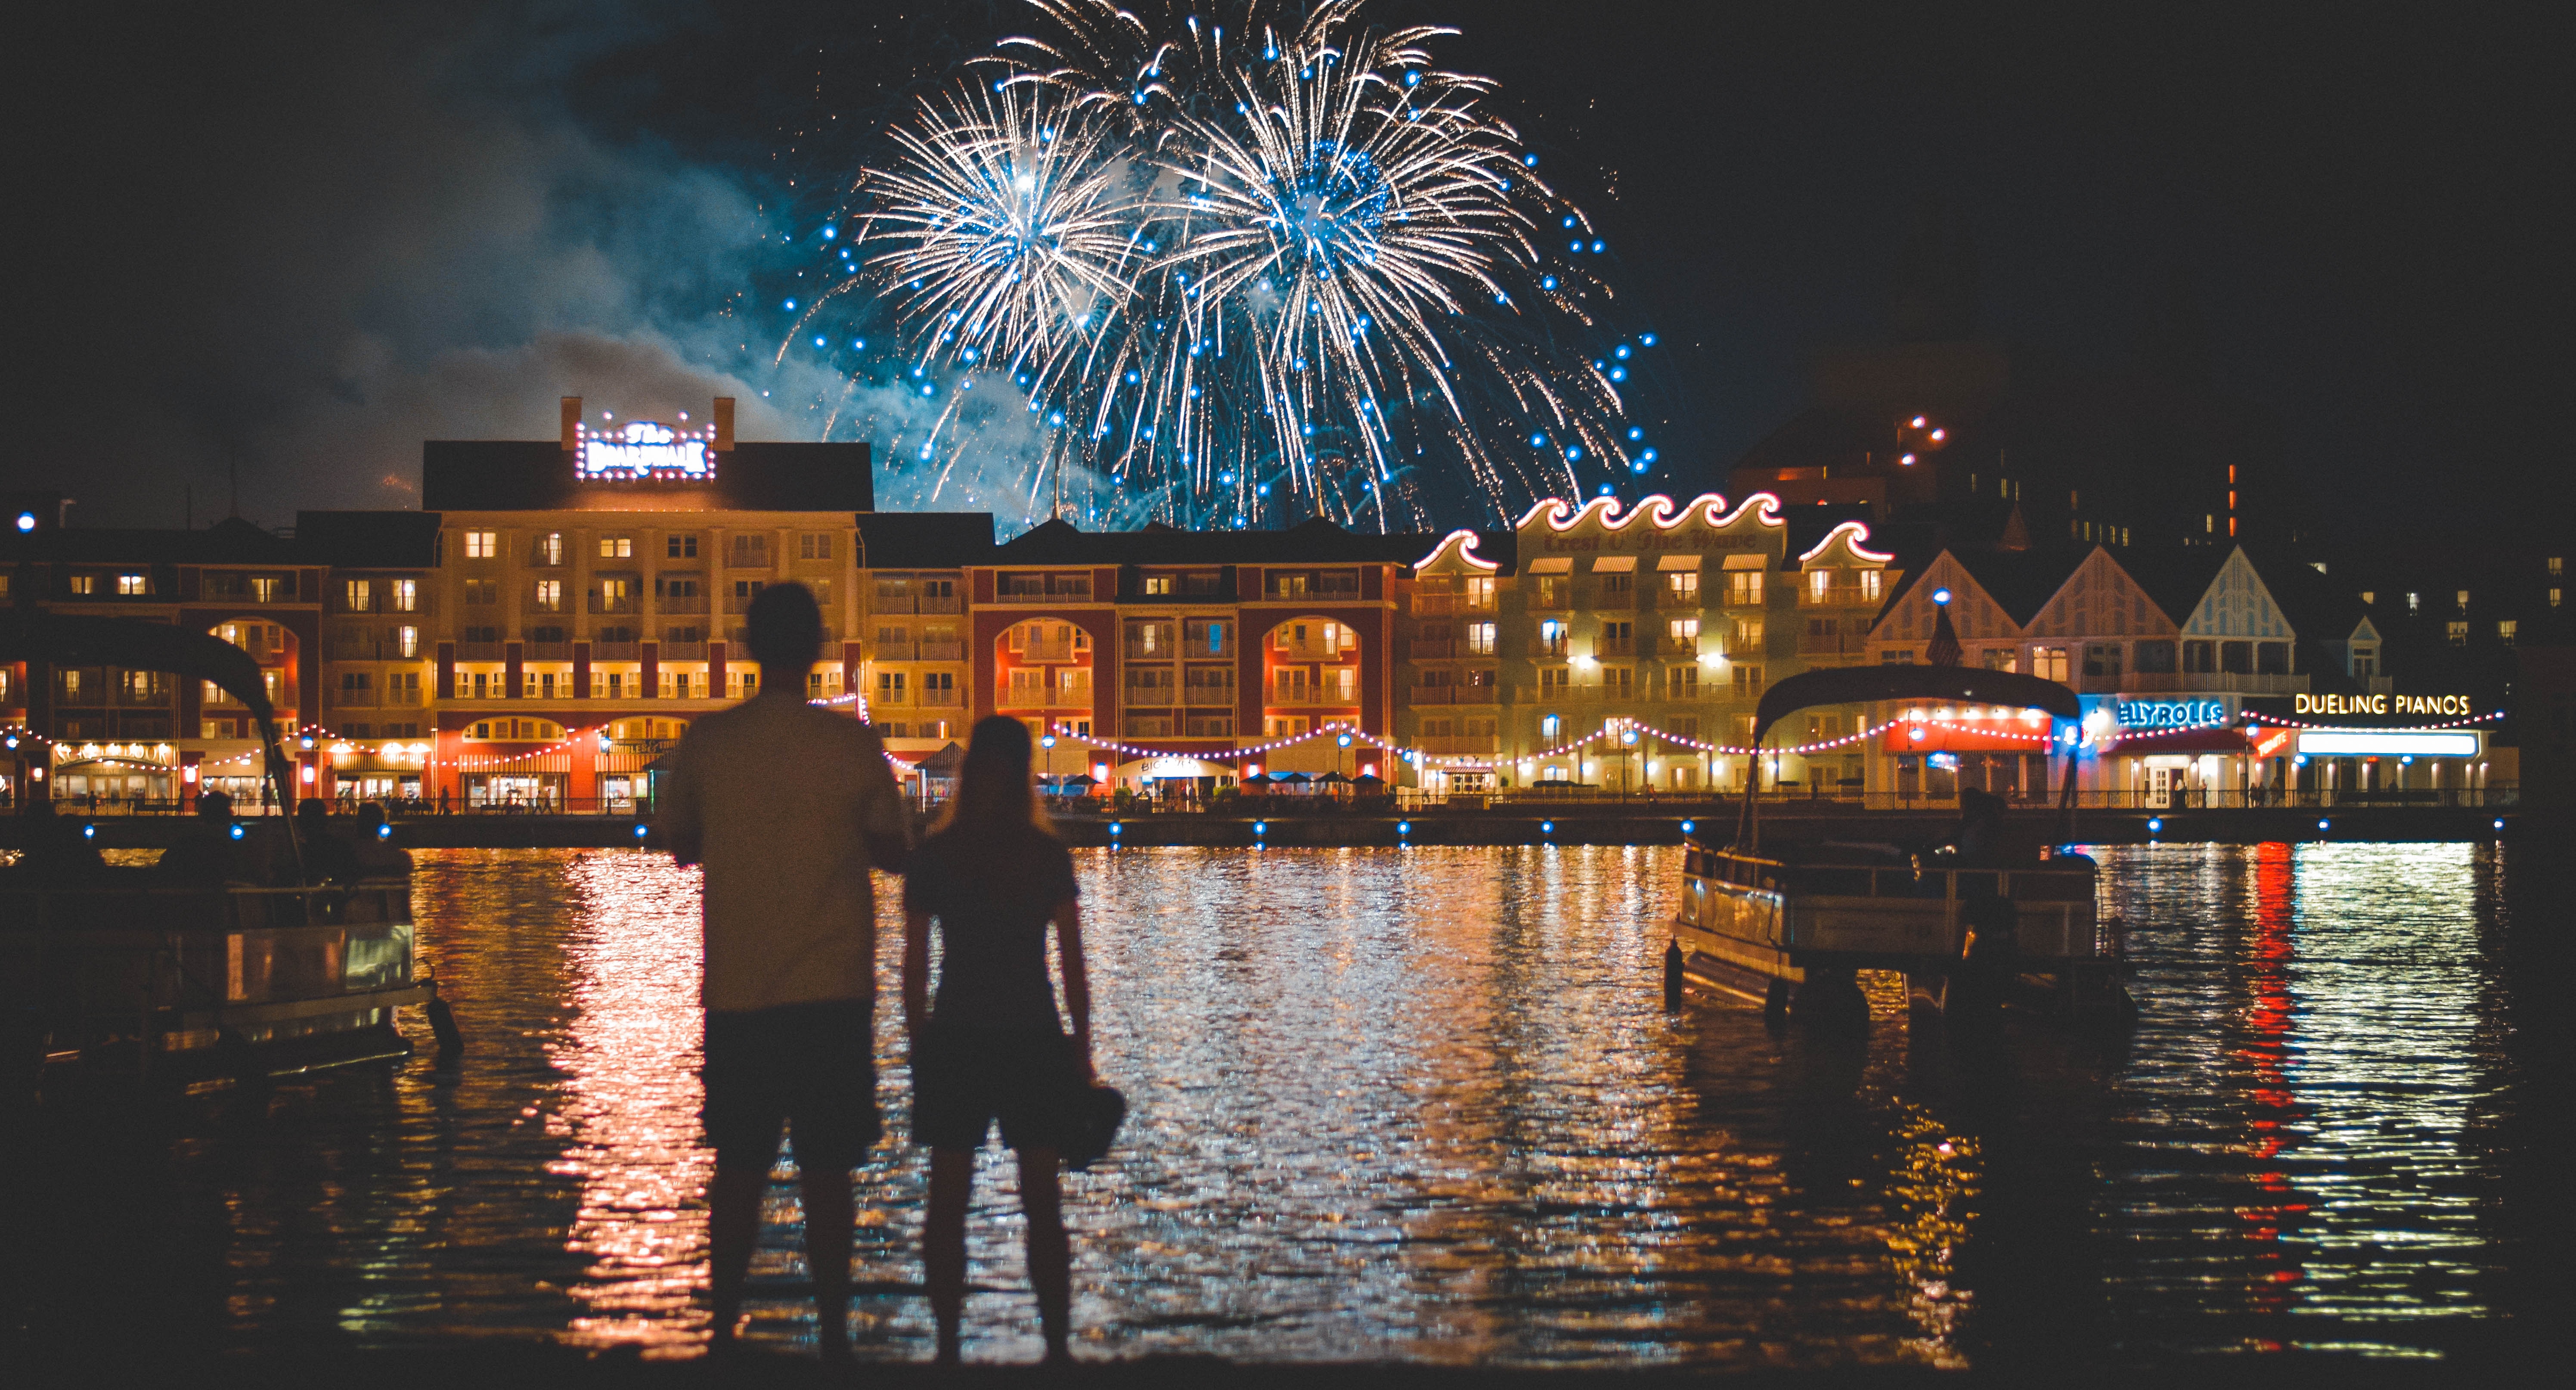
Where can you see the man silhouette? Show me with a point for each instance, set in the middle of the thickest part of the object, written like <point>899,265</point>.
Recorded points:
<point>788,806</point>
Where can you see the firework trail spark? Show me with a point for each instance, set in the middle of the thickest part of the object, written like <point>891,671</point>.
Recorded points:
<point>1239,274</point>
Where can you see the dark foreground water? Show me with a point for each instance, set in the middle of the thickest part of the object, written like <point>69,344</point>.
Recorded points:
<point>1418,1105</point>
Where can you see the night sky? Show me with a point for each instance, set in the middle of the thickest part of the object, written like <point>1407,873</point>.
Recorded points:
<point>288,244</point>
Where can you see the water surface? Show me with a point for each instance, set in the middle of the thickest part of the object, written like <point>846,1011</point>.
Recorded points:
<point>1419,1105</point>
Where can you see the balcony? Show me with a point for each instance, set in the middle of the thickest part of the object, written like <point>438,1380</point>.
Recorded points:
<point>679,604</point>
<point>1457,745</point>
<point>1208,696</point>
<point>356,699</point>
<point>1049,651</point>
<point>1162,650</point>
<point>2188,683</point>
<point>545,608</point>
<point>950,698</point>
<point>939,651</point>
<point>549,651</point>
<point>894,603</point>
<point>626,603</point>
<point>1832,644</point>
<point>1433,649</point>
<point>683,651</point>
<point>940,603</point>
<point>616,651</point>
<point>1311,650</point>
<point>1450,694</point>
<point>1614,648</point>
<point>478,651</point>
<point>1056,589</point>
<point>1300,696</point>
<point>1014,698</point>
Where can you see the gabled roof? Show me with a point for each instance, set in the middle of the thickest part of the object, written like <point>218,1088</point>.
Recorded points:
<point>369,540</point>
<point>2178,577</point>
<point>229,542</point>
<point>924,540</point>
<point>1311,542</point>
<point>2318,608</point>
<point>2021,582</point>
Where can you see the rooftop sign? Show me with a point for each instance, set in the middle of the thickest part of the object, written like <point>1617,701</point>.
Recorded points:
<point>644,450</point>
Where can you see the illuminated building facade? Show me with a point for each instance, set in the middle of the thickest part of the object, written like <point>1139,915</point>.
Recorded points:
<point>1662,624</point>
<point>2199,685</point>
<point>113,740</point>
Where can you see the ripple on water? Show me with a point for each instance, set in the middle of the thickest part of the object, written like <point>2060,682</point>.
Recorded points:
<point>1425,1105</point>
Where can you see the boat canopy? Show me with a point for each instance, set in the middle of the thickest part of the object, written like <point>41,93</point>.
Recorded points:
<point>1852,685</point>
<point>69,641</point>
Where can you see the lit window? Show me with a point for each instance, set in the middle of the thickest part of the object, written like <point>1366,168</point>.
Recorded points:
<point>482,545</point>
<point>2554,595</point>
<point>2504,630</point>
<point>133,585</point>
<point>1158,584</point>
<point>358,596</point>
<point>1480,638</point>
<point>2369,596</point>
<point>1870,582</point>
<point>1684,585</point>
<point>2459,634</point>
<point>407,642</point>
<point>405,594</point>
<point>2464,598</point>
<point>2557,565</point>
<point>84,583</point>
<point>617,547</point>
<point>550,548</point>
<point>550,595</point>
<point>2414,603</point>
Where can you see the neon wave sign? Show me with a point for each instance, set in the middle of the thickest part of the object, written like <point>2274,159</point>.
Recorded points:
<point>644,450</point>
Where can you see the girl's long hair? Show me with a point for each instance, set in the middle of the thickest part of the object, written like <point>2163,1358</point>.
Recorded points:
<point>995,789</point>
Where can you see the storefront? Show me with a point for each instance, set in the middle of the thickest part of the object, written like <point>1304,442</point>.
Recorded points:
<point>1934,751</point>
<point>2386,747</point>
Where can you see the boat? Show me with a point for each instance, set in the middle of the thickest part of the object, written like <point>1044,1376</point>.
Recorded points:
<point>1973,920</point>
<point>282,958</point>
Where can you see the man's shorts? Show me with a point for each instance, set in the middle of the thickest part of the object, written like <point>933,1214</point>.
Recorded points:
<point>811,1067</point>
<point>964,1079</point>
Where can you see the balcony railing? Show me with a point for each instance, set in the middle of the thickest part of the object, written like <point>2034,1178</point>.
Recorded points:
<point>549,651</point>
<point>1432,649</point>
<point>356,699</point>
<point>616,651</point>
<point>894,603</point>
<point>478,651</point>
<point>940,651</point>
<point>949,698</point>
<point>626,604</point>
<point>1046,651</point>
<point>1621,648</point>
<point>1460,744</point>
<point>1309,696</point>
<point>683,651</point>
<point>941,603</point>
<point>1313,651</point>
<point>1208,696</point>
<point>1450,694</point>
<point>679,604</point>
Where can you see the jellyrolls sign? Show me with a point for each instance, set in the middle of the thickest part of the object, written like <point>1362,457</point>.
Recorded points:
<point>2169,714</point>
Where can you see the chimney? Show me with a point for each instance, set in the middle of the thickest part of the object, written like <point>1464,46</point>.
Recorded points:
<point>724,424</point>
<point>571,423</point>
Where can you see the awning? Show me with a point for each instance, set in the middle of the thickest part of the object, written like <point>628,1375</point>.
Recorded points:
<point>1551,564</point>
<point>1614,564</point>
<point>1677,562</point>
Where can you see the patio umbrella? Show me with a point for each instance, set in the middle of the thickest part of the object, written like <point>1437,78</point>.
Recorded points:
<point>1258,779</point>
<point>1334,777</point>
<point>1368,779</point>
<point>1077,780</point>
<point>1297,777</point>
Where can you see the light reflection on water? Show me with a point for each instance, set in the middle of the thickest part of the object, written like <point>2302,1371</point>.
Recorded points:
<point>1425,1105</point>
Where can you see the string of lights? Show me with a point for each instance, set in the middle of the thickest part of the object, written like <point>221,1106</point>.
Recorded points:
<point>2279,722</point>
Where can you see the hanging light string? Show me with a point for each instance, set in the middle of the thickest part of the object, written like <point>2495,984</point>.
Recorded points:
<point>2278,722</point>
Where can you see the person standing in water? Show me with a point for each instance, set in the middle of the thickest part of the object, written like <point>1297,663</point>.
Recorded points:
<point>788,805</point>
<point>992,1048</point>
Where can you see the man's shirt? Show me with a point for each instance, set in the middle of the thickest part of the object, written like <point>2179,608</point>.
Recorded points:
<point>781,796</point>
